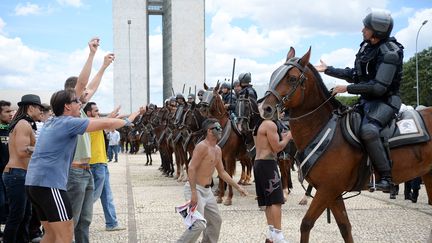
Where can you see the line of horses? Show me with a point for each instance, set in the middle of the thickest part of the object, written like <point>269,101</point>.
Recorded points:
<point>301,91</point>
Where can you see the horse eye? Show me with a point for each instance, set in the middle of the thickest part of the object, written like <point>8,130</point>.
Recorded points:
<point>292,79</point>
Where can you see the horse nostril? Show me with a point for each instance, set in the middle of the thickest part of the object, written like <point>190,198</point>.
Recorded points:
<point>268,109</point>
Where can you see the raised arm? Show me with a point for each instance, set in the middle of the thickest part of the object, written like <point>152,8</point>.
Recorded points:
<point>85,72</point>
<point>94,84</point>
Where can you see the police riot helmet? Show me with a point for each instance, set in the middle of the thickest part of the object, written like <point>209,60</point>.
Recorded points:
<point>380,22</point>
<point>172,99</point>
<point>152,106</point>
<point>236,83</point>
<point>225,86</point>
<point>244,78</point>
<point>191,96</point>
<point>180,96</point>
<point>200,92</point>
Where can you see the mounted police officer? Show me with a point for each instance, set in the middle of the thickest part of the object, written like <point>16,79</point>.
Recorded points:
<point>200,95</point>
<point>228,97</point>
<point>376,78</point>
<point>249,92</point>
<point>191,99</point>
<point>181,108</point>
<point>246,88</point>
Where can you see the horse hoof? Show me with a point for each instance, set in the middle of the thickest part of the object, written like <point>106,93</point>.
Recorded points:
<point>228,202</point>
<point>219,200</point>
<point>303,202</point>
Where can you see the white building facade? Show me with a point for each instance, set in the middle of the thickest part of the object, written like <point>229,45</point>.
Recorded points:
<point>183,30</point>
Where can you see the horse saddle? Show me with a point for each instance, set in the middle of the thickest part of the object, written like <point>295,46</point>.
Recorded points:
<point>407,128</point>
<point>230,125</point>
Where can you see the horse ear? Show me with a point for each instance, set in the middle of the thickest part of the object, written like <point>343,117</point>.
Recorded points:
<point>216,89</point>
<point>205,86</point>
<point>291,53</point>
<point>305,59</point>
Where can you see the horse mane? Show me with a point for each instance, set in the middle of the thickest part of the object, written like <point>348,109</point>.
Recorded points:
<point>333,101</point>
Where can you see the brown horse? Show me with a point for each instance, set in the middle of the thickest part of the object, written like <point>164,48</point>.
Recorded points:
<point>212,106</point>
<point>159,122</point>
<point>298,87</point>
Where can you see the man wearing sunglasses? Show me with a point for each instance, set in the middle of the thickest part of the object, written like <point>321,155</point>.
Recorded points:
<point>207,156</point>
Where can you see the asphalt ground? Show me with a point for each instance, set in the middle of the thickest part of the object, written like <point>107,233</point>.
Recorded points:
<point>145,202</point>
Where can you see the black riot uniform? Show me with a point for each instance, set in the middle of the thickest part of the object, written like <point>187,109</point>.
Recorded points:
<point>229,97</point>
<point>376,78</point>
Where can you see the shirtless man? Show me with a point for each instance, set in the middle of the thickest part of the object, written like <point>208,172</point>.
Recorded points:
<point>21,145</point>
<point>206,157</point>
<point>267,179</point>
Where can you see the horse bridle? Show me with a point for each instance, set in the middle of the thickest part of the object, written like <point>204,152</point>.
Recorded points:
<point>297,81</point>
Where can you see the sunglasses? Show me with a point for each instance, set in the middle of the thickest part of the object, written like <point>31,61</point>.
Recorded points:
<point>217,128</point>
<point>76,100</point>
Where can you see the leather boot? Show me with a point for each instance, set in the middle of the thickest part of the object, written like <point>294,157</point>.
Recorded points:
<point>381,163</point>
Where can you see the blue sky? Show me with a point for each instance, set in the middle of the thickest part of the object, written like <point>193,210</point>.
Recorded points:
<point>43,42</point>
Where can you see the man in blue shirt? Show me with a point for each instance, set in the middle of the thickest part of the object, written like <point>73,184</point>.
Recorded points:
<point>47,173</point>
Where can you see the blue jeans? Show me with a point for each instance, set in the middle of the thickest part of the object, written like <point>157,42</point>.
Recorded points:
<point>16,229</point>
<point>102,190</point>
<point>3,204</point>
<point>113,149</point>
<point>80,189</point>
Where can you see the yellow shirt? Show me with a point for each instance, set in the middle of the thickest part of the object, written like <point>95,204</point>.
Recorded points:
<point>98,151</point>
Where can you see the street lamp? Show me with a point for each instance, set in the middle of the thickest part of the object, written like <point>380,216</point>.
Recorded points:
<point>130,71</point>
<point>417,79</point>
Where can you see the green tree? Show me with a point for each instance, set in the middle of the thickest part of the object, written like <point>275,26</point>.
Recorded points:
<point>408,84</point>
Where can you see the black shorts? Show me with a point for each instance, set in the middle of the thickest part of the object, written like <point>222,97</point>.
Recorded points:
<point>268,184</point>
<point>51,204</point>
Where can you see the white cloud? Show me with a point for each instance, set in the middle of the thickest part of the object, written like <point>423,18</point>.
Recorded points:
<point>407,35</point>
<point>22,68</point>
<point>73,3</point>
<point>27,9</point>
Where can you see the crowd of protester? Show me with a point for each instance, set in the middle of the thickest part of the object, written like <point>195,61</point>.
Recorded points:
<point>54,164</point>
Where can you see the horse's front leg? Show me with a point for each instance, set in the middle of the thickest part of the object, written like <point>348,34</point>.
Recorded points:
<point>341,217</point>
<point>230,168</point>
<point>243,175</point>
<point>319,203</point>
<point>221,191</point>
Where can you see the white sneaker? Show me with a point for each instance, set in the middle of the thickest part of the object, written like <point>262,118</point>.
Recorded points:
<point>36,239</point>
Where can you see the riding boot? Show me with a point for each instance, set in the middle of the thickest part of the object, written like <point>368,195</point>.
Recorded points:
<point>381,164</point>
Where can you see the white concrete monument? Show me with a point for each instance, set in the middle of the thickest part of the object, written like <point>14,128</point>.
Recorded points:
<point>183,48</point>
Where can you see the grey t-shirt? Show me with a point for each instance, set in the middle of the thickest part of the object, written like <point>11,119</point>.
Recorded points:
<point>50,162</point>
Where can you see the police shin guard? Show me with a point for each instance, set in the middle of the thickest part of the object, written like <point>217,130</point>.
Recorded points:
<point>381,163</point>
<point>377,154</point>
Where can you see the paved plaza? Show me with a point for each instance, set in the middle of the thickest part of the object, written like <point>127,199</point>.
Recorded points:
<point>145,202</point>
